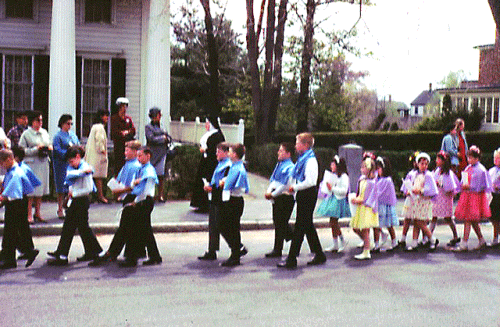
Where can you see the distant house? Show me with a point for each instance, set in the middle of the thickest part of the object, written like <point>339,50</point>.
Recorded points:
<point>422,106</point>
<point>78,56</point>
<point>483,93</point>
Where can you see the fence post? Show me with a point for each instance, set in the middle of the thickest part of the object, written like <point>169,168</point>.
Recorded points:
<point>241,131</point>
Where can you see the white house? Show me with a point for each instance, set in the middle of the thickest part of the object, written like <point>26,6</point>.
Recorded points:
<point>78,56</point>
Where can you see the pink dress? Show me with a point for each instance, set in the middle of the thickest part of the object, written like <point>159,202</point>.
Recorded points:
<point>473,204</point>
<point>448,186</point>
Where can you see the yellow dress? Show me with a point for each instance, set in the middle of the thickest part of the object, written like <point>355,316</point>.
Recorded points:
<point>364,217</point>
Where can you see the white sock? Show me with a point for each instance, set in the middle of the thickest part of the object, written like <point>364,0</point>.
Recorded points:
<point>335,242</point>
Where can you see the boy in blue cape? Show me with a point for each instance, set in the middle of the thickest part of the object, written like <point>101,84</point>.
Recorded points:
<point>17,232</point>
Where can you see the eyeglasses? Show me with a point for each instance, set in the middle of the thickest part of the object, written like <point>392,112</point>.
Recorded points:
<point>69,123</point>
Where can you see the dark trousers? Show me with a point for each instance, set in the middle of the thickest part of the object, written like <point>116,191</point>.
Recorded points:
<point>214,216</point>
<point>77,217</point>
<point>229,224</point>
<point>282,210</point>
<point>118,241</point>
<point>213,227</point>
<point>17,231</point>
<point>139,232</point>
<point>306,202</point>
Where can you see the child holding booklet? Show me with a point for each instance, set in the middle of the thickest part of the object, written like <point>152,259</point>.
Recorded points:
<point>336,204</point>
<point>472,207</point>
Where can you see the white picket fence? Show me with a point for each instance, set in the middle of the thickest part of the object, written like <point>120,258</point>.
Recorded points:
<point>191,131</point>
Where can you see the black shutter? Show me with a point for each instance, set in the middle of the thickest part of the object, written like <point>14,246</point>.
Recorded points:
<point>78,118</point>
<point>118,80</point>
<point>41,85</point>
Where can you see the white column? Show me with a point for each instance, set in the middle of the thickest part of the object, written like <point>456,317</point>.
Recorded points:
<point>62,73</point>
<point>157,92</point>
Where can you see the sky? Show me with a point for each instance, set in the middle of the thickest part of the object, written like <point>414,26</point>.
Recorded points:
<point>414,42</point>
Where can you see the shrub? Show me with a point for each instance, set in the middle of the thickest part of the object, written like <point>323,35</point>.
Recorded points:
<point>183,173</point>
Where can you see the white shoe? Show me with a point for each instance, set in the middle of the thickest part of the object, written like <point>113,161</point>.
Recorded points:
<point>360,245</point>
<point>461,248</point>
<point>342,246</point>
<point>383,239</point>
<point>365,255</point>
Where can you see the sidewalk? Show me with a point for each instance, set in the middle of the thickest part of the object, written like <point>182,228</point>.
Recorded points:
<point>175,216</point>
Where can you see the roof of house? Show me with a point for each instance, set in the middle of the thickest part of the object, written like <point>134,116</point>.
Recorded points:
<point>423,98</point>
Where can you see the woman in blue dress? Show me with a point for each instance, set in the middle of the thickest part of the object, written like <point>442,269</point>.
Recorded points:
<point>61,142</point>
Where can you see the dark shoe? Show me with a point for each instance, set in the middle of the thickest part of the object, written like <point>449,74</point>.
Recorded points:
<point>23,256</point>
<point>401,245</point>
<point>318,259</point>
<point>288,264</point>
<point>86,257</point>
<point>57,261</point>
<point>31,257</point>
<point>8,265</point>
<point>273,254</point>
<point>39,219</point>
<point>128,263</point>
<point>208,256</point>
<point>54,254</point>
<point>243,251</point>
<point>231,262</point>
<point>100,260</point>
<point>453,242</point>
<point>151,262</point>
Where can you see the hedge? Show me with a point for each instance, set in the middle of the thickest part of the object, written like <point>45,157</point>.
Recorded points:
<point>392,141</point>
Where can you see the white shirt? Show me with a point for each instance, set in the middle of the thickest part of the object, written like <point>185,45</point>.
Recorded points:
<point>310,174</point>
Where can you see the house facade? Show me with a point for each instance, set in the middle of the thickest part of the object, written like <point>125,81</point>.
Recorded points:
<point>483,93</point>
<point>78,56</point>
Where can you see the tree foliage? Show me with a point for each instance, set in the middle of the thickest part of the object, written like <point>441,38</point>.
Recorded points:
<point>190,71</point>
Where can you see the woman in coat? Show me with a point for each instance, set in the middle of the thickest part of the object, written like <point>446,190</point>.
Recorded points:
<point>158,141</point>
<point>37,145</point>
<point>61,142</point>
<point>96,152</point>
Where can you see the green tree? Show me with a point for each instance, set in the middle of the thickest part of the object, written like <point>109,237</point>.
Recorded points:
<point>192,62</point>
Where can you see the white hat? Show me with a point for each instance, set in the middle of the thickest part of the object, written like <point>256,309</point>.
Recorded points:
<point>121,101</point>
<point>422,155</point>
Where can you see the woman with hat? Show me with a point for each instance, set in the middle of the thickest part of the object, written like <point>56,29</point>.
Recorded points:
<point>122,130</point>
<point>158,140</point>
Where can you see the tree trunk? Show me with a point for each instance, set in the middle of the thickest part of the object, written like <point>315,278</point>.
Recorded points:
<point>305,72</point>
<point>265,98</point>
<point>278,58</point>
<point>214,106</point>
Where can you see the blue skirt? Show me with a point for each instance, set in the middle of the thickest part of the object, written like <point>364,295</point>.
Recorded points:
<point>333,207</point>
<point>387,216</point>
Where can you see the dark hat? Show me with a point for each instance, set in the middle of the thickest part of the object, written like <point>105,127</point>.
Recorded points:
<point>153,112</point>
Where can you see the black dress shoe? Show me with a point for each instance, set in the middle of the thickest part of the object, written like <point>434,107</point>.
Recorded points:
<point>318,259</point>
<point>243,251</point>
<point>31,257</point>
<point>57,261</point>
<point>23,256</point>
<point>288,264</point>
<point>208,256</point>
<point>8,265</point>
<point>152,261</point>
<point>99,260</point>
<point>273,254</point>
<point>86,257</point>
<point>128,263</point>
<point>231,262</point>
<point>54,254</point>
